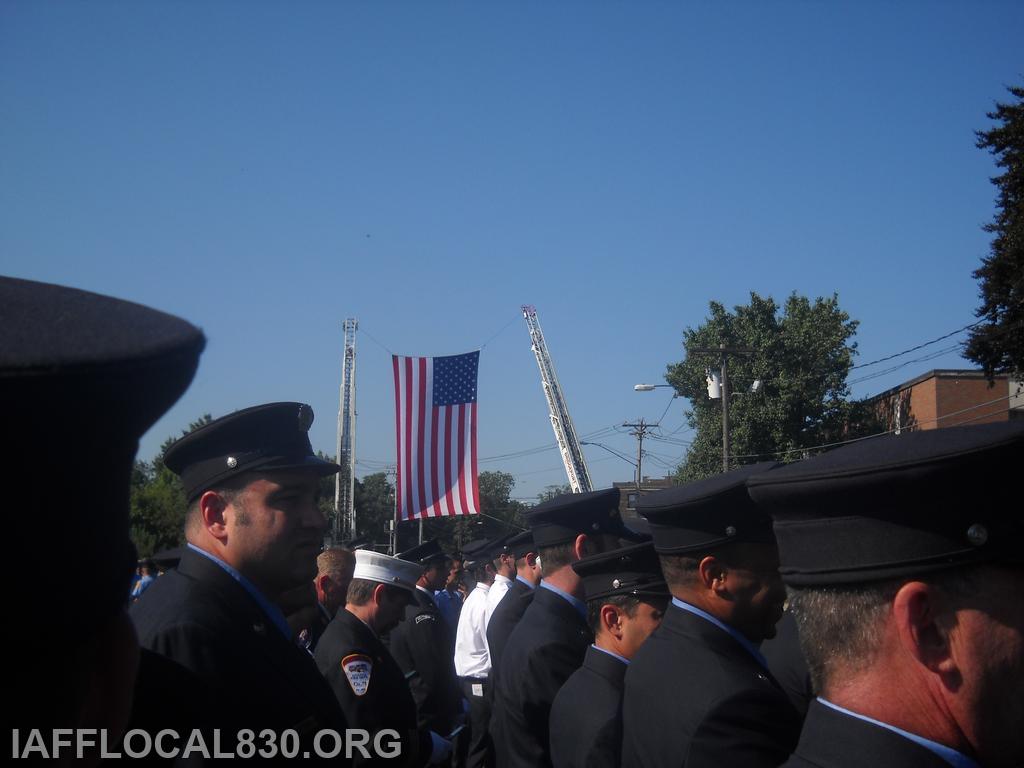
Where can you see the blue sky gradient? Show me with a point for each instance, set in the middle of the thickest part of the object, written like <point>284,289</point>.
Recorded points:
<point>266,169</point>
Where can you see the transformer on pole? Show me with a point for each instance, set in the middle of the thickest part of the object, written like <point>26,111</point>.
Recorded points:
<point>344,483</point>
<point>565,433</point>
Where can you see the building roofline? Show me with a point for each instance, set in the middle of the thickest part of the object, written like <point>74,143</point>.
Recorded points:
<point>937,373</point>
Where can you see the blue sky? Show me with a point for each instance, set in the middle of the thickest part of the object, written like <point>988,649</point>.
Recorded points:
<point>267,169</point>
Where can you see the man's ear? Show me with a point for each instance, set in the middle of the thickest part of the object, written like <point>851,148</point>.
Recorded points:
<point>579,546</point>
<point>531,559</point>
<point>923,634</point>
<point>611,620</point>
<point>211,510</point>
<point>712,573</point>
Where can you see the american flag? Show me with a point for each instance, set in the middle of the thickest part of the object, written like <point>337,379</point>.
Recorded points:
<point>435,425</point>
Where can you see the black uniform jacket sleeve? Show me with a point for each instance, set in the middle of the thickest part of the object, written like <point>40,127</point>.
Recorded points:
<point>421,645</point>
<point>371,688</point>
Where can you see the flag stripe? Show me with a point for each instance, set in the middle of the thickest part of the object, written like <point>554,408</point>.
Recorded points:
<point>435,494</point>
<point>398,441</point>
<point>462,458</point>
<point>420,441</point>
<point>448,460</point>
<point>410,509</point>
<point>472,457</point>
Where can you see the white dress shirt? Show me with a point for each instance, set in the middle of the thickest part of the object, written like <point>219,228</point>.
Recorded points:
<point>498,590</point>
<point>471,657</point>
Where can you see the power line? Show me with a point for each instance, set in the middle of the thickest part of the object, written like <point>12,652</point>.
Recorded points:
<point>919,346</point>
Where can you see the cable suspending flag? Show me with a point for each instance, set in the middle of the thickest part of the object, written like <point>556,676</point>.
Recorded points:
<point>435,426</point>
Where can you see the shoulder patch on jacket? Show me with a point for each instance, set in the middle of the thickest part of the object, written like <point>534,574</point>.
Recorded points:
<point>357,668</point>
<point>424,617</point>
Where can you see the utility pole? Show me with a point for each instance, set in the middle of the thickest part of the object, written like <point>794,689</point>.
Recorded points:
<point>640,430</point>
<point>724,351</point>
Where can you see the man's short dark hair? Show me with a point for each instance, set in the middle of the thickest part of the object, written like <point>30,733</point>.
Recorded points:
<point>360,591</point>
<point>627,603</point>
<point>230,489</point>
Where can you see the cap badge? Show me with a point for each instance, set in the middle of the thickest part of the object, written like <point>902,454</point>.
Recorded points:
<point>977,534</point>
<point>232,462</point>
<point>616,583</point>
<point>305,417</point>
<point>730,530</point>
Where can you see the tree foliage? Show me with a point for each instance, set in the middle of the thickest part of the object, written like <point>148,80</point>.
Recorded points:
<point>553,491</point>
<point>998,343</point>
<point>802,354</point>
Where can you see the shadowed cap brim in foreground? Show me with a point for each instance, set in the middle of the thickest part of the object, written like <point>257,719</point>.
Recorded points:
<point>899,505</point>
<point>82,377</point>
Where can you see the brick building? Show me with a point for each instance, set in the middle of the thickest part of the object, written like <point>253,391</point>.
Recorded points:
<point>628,494</point>
<point>945,398</point>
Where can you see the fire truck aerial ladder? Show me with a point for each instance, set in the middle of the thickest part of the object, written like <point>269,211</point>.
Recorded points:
<point>344,487</point>
<point>565,434</point>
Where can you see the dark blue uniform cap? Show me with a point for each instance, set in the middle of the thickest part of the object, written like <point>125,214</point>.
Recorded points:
<point>563,518</point>
<point>262,438</point>
<point>899,505</point>
<point>633,570</point>
<point>700,516</point>
<point>423,553</point>
<point>82,377</point>
<point>521,545</point>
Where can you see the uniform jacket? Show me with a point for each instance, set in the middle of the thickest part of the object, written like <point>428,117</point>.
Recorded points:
<point>370,686</point>
<point>319,626</point>
<point>786,662</point>
<point>695,697</point>
<point>586,718</point>
<point>201,618</point>
<point>422,645</point>
<point>545,648</point>
<point>504,619</point>
<point>832,739</point>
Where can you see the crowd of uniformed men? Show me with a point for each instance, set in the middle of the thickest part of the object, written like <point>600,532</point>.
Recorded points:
<point>859,608</point>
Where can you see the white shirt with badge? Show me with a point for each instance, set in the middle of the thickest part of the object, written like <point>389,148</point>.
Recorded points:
<point>498,589</point>
<point>471,656</point>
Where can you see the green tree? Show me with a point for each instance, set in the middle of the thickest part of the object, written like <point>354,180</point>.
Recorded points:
<point>552,491</point>
<point>998,343</point>
<point>801,355</point>
<point>374,501</point>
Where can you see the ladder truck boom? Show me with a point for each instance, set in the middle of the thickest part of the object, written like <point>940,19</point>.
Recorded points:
<point>344,484</point>
<point>561,423</point>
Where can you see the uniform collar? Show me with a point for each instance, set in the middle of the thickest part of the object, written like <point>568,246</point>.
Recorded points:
<point>738,636</point>
<point>614,655</point>
<point>524,581</point>
<point>950,755</point>
<point>575,602</point>
<point>272,611</point>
